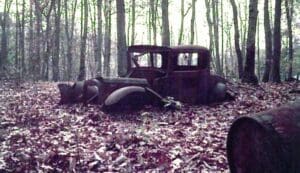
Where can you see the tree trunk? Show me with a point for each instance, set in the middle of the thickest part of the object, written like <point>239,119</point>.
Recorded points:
<point>216,35</point>
<point>132,22</point>
<point>22,41</point>
<point>249,71</point>
<point>165,23</point>
<point>82,68</point>
<point>122,47</point>
<point>107,35</point>
<point>193,22</point>
<point>237,39</point>
<point>210,24</point>
<point>99,36</point>
<point>289,5</point>
<point>180,35</point>
<point>268,42</point>
<point>153,13</point>
<point>37,47</point>
<point>4,34</point>
<point>55,60</point>
<point>266,142</point>
<point>17,39</point>
<point>31,40</point>
<point>275,71</point>
<point>258,51</point>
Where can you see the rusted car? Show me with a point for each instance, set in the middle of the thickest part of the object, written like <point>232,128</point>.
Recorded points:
<point>182,72</point>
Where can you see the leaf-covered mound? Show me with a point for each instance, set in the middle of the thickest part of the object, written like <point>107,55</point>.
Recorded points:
<point>38,135</point>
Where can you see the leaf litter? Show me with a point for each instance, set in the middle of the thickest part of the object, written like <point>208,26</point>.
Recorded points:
<point>38,135</point>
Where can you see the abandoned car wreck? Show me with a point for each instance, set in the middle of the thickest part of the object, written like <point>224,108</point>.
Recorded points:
<point>155,75</point>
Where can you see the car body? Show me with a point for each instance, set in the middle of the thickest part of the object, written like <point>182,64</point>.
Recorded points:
<point>181,72</point>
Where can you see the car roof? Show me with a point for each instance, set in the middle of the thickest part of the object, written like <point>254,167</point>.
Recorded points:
<point>189,48</point>
<point>142,48</point>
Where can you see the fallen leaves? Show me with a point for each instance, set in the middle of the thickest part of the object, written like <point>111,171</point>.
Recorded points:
<point>38,135</point>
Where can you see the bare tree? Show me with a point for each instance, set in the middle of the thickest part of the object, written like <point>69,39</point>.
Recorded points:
<point>192,38</point>
<point>99,36</point>
<point>268,42</point>
<point>55,60</point>
<point>216,35</point>
<point>289,7</point>
<point>4,35</point>
<point>107,37</point>
<point>122,47</point>
<point>82,68</point>
<point>249,71</point>
<point>165,23</point>
<point>210,24</point>
<point>275,70</point>
<point>237,38</point>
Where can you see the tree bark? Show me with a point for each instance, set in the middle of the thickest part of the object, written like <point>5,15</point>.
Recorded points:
<point>153,13</point>
<point>56,50</point>
<point>107,39</point>
<point>216,36</point>
<point>4,35</point>
<point>249,71</point>
<point>132,22</point>
<point>22,41</point>
<point>210,24</point>
<point>122,47</point>
<point>237,39</point>
<point>82,68</point>
<point>193,22</point>
<point>69,30</point>
<point>99,36</point>
<point>275,71</point>
<point>37,47</point>
<point>289,5</point>
<point>268,42</point>
<point>181,23</point>
<point>165,23</point>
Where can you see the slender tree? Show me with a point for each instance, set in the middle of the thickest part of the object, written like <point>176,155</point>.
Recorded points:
<point>22,40</point>
<point>69,32</point>
<point>275,70</point>
<point>165,23</point>
<point>107,37</point>
<point>38,40</point>
<point>17,30</point>
<point>289,5</point>
<point>192,38</point>
<point>82,68</point>
<point>183,13</point>
<point>122,47</point>
<point>215,13</point>
<point>210,24</point>
<point>268,42</point>
<point>4,35</point>
<point>99,36</point>
<point>55,60</point>
<point>153,21</point>
<point>132,21</point>
<point>249,71</point>
<point>237,38</point>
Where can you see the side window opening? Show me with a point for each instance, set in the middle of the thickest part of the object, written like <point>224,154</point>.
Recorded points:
<point>187,59</point>
<point>146,59</point>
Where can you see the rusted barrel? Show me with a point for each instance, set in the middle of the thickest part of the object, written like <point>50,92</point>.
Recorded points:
<point>268,142</point>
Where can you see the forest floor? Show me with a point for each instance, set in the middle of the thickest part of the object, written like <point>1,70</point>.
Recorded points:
<point>37,134</point>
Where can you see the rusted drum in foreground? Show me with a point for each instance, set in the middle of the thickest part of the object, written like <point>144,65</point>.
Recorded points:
<point>268,142</point>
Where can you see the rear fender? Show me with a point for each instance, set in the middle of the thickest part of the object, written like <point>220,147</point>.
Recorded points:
<point>130,98</point>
